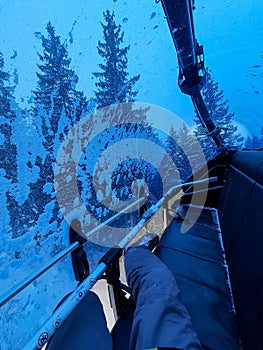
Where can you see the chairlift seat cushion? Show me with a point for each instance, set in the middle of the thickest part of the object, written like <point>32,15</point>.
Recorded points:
<point>197,260</point>
<point>241,218</point>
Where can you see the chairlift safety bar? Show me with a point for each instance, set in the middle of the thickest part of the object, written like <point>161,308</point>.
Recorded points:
<point>114,217</point>
<point>55,320</point>
<point>154,208</point>
<point>12,292</point>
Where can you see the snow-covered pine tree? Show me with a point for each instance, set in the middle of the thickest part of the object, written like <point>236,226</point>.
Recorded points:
<point>56,87</point>
<point>173,149</point>
<point>218,109</point>
<point>185,155</point>
<point>54,99</point>
<point>6,93</point>
<point>254,141</point>
<point>113,85</point>
<point>8,152</point>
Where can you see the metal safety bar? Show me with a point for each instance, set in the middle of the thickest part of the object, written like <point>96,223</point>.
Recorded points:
<point>154,208</point>
<point>66,308</point>
<point>11,293</point>
<point>55,320</point>
<point>92,232</point>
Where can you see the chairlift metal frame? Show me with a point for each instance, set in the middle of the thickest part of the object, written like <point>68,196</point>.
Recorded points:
<point>107,263</point>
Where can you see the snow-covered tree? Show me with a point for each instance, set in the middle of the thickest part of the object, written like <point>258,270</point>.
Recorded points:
<point>183,152</point>
<point>113,82</point>
<point>56,87</point>
<point>6,93</point>
<point>254,141</point>
<point>57,105</point>
<point>8,106</point>
<point>218,109</point>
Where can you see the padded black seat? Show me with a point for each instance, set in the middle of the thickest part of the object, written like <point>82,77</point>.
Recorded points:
<point>197,261</point>
<point>241,217</point>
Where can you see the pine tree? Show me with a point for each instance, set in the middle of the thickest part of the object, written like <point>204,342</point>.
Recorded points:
<point>8,152</point>
<point>6,93</point>
<point>56,87</point>
<point>186,158</point>
<point>254,141</point>
<point>57,106</point>
<point>113,85</point>
<point>218,109</point>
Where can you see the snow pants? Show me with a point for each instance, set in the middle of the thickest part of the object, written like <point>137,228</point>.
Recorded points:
<point>160,319</point>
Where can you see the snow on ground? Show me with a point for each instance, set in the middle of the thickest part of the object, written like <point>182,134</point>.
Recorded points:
<point>21,317</point>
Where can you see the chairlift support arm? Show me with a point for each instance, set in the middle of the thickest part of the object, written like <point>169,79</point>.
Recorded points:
<point>192,74</point>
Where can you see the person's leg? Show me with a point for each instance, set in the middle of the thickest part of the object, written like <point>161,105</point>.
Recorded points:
<point>160,319</point>
<point>84,329</point>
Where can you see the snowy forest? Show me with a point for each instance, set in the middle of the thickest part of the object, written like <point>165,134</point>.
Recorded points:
<point>33,227</point>
<point>30,137</point>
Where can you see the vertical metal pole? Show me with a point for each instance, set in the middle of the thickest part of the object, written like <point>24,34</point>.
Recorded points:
<point>112,301</point>
<point>165,220</point>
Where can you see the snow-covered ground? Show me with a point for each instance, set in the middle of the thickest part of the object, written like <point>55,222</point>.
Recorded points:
<point>21,317</point>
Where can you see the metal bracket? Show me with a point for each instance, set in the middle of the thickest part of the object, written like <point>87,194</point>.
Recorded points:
<point>79,258</point>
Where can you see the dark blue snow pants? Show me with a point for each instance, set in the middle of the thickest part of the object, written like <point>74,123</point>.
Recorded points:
<point>160,319</point>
